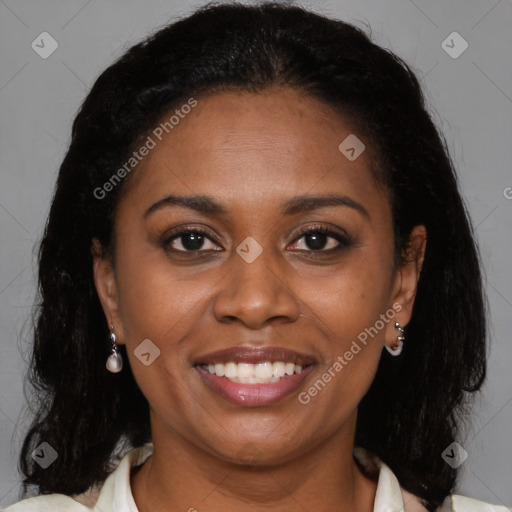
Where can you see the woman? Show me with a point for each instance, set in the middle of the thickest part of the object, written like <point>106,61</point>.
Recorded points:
<point>254,205</point>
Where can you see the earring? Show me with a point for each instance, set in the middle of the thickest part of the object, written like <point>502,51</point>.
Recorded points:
<point>115,360</point>
<point>397,349</point>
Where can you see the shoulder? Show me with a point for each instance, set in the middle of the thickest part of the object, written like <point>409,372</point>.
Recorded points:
<point>58,502</point>
<point>392,496</point>
<point>457,503</point>
<point>115,489</point>
<point>452,503</point>
<point>48,503</point>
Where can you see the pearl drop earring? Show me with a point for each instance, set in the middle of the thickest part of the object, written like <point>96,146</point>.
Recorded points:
<point>115,360</point>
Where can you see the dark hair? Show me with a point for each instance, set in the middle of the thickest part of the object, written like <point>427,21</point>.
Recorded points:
<point>417,402</point>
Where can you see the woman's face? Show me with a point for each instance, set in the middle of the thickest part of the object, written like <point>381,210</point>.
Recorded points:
<point>251,278</point>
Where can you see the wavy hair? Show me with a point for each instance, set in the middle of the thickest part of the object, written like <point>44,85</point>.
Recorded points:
<point>417,403</point>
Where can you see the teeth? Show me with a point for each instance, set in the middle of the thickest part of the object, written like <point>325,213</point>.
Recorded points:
<point>261,373</point>
<point>230,371</point>
<point>289,368</point>
<point>244,371</point>
<point>264,370</point>
<point>279,369</point>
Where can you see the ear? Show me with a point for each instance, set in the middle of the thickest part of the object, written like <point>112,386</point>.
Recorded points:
<point>106,287</point>
<point>405,283</point>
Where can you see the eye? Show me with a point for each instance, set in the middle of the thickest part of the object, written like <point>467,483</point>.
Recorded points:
<point>189,240</point>
<point>316,239</point>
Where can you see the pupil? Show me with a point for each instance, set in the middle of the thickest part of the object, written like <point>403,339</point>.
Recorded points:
<point>192,241</point>
<point>316,240</point>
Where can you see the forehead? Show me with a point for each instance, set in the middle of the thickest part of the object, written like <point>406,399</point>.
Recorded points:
<point>252,149</point>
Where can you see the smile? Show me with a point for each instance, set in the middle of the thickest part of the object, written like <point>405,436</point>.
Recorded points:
<point>261,373</point>
<point>245,389</point>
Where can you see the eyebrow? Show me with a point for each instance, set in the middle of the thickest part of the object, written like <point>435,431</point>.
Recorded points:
<point>209,206</point>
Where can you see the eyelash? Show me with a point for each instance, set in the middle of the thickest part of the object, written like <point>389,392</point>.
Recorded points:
<point>344,240</point>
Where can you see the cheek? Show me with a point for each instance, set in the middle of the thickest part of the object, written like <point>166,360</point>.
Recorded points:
<point>354,306</point>
<point>157,305</point>
<point>156,300</point>
<point>355,296</point>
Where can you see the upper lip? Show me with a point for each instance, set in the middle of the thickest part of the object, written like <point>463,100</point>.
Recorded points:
<point>254,355</point>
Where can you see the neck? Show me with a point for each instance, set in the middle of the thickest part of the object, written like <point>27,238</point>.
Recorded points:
<point>181,476</point>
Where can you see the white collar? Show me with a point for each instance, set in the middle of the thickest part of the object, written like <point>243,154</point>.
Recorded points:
<point>115,493</point>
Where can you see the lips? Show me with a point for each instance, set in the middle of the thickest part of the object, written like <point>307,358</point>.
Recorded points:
<point>245,354</point>
<point>253,395</point>
<point>254,377</point>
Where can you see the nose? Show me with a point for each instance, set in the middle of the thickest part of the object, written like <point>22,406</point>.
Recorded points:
<point>256,293</point>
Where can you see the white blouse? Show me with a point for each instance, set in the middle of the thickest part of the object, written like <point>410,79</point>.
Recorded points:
<point>115,495</point>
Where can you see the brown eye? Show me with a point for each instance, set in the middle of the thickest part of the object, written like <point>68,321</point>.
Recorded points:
<point>188,240</point>
<point>322,239</point>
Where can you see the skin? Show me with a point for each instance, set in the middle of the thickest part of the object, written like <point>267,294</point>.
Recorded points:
<point>251,153</point>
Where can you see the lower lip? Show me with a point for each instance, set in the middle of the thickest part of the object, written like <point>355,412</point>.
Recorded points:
<point>254,395</point>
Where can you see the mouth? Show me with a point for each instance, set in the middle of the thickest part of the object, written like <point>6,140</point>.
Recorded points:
<point>251,377</point>
<point>260,373</point>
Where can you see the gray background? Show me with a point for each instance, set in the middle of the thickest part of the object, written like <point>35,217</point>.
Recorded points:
<point>471,97</point>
